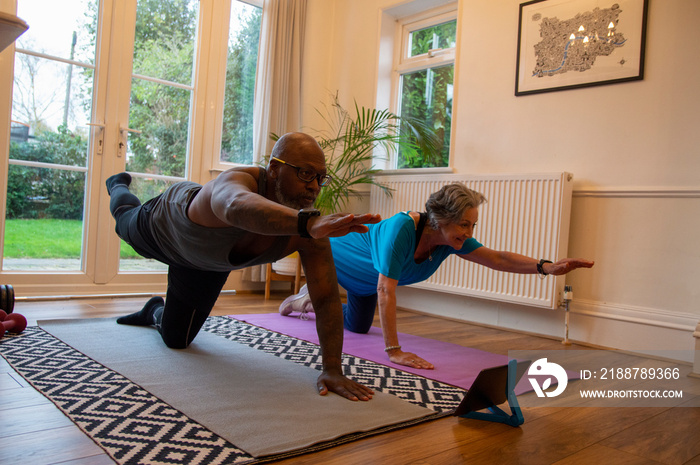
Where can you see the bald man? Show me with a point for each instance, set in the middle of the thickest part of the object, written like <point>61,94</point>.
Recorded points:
<point>246,216</point>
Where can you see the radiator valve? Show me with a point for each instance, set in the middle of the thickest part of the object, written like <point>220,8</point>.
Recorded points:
<point>568,294</point>
<point>567,298</point>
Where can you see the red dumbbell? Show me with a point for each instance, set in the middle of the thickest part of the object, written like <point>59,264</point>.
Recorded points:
<point>14,323</point>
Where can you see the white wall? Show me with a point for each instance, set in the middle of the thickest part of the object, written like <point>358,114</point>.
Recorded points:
<point>634,149</point>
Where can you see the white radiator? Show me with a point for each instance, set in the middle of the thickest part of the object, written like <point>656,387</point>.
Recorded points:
<point>528,214</point>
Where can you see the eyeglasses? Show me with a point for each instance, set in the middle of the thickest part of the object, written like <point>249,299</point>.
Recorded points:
<point>307,175</point>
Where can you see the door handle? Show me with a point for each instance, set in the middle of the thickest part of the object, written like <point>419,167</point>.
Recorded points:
<point>100,140</point>
<point>123,131</point>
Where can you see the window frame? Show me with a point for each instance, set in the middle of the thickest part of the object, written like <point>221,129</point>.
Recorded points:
<point>397,25</point>
<point>435,57</point>
<point>220,53</point>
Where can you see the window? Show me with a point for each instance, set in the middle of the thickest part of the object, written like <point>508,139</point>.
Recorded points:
<point>102,86</point>
<point>423,79</point>
<point>241,66</point>
<point>48,151</point>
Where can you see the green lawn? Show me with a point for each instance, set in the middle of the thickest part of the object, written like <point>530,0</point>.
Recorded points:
<point>48,239</point>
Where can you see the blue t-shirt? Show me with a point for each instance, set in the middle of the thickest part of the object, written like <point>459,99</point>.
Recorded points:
<point>387,248</point>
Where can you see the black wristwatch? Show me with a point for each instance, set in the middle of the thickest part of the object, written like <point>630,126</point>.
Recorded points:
<point>540,270</point>
<point>303,219</point>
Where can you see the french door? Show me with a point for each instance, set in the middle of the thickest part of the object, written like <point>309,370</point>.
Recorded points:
<point>103,86</point>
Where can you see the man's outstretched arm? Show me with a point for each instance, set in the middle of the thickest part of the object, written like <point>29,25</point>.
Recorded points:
<point>232,200</point>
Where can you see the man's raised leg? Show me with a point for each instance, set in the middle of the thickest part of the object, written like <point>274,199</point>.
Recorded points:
<point>120,195</point>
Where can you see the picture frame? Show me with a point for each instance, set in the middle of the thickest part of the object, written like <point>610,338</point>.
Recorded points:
<point>570,44</point>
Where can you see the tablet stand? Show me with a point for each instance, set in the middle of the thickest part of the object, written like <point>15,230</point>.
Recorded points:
<point>491,399</point>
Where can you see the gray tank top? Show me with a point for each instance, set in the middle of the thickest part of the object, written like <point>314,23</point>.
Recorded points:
<point>193,246</point>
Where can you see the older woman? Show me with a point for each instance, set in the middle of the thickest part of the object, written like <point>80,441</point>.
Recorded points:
<point>408,248</point>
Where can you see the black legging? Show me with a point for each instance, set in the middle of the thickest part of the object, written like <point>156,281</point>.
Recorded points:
<point>191,296</point>
<point>191,293</point>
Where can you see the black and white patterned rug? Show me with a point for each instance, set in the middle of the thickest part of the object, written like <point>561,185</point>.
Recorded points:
<point>135,427</point>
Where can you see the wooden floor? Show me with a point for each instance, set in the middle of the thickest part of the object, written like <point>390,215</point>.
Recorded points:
<point>33,431</point>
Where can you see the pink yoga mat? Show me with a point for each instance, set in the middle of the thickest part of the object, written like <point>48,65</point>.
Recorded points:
<point>454,364</point>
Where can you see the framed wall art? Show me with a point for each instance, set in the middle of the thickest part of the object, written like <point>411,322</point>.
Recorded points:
<point>567,44</point>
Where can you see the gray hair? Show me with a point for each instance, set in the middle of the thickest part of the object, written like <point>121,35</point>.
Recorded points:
<point>449,204</point>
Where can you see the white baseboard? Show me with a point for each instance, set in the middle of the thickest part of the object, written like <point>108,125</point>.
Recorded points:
<point>648,331</point>
<point>652,332</point>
